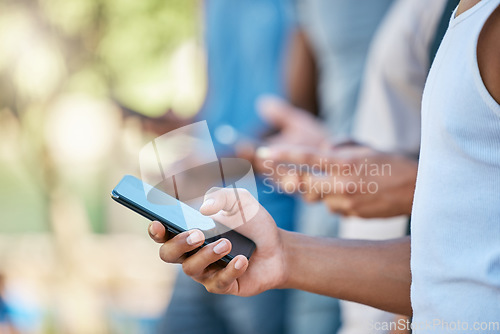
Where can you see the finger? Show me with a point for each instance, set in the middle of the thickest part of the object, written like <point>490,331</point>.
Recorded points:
<point>246,150</point>
<point>230,200</point>
<point>373,209</point>
<point>365,206</point>
<point>342,141</point>
<point>175,249</point>
<point>274,110</point>
<point>314,187</point>
<point>293,154</point>
<point>339,204</point>
<point>309,197</point>
<point>290,183</point>
<point>218,199</point>
<point>197,263</point>
<point>232,207</point>
<point>334,184</point>
<point>225,281</point>
<point>157,232</point>
<point>281,170</point>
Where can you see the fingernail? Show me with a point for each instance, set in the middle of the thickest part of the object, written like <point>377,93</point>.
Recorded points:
<point>221,247</point>
<point>263,152</point>
<point>209,202</point>
<point>195,237</point>
<point>239,264</point>
<point>151,230</point>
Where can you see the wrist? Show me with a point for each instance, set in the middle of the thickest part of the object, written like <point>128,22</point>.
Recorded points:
<point>288,244</point>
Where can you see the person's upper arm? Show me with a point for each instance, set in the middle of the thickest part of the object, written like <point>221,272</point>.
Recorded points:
<point>301,72</point>
<point>488,54</point>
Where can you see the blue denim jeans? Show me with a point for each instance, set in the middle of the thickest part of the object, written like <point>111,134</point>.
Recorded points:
<point>193,310</point>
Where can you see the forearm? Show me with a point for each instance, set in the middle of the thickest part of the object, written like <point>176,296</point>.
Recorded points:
<point>302,74</point>
<point>375,273</point>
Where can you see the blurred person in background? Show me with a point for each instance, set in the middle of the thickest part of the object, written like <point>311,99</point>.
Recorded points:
<point>388,116</point>
<point>388,119</point>
<point>338,35</point>
<point>389,111</point>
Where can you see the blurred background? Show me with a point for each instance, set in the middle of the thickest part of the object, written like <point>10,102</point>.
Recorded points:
<point>71,260</point>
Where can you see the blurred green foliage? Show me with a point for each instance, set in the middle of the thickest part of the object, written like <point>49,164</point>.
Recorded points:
<point>143,54</point>
<point>102,46</point>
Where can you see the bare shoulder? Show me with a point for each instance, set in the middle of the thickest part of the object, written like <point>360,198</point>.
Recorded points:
<point>488,54</point>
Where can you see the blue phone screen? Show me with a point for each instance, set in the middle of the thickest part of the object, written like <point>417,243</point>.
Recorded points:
<point>158,203</point>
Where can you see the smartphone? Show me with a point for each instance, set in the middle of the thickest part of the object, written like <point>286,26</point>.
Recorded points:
<point>176,216</point>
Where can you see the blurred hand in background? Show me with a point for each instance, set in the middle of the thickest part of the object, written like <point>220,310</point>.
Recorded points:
<point>295,126</point>
<point>292,126</point>
<point>352,180</point>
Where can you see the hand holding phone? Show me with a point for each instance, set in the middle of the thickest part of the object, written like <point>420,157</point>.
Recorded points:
<point>268,266</point>
<point>176,216</point>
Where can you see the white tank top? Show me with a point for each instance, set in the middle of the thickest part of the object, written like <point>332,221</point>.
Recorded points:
<point>456,213</point>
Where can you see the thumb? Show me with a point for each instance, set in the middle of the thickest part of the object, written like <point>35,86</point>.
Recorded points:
<point>237,205</point>
<point>275,111</point>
